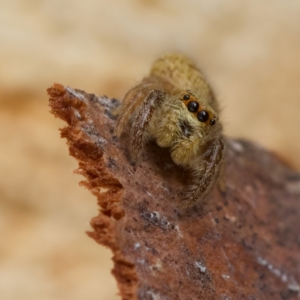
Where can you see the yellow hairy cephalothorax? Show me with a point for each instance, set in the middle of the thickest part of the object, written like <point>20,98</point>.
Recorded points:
<point>176,107</point>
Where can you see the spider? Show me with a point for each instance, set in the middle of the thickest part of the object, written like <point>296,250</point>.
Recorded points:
<point>176,107</point>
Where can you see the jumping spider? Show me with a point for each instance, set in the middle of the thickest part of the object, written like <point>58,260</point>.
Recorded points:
<point>175,106</point>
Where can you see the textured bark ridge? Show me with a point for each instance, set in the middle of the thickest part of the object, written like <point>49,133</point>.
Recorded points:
<point>243,243</point>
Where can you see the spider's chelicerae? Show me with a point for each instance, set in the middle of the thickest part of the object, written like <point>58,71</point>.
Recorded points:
<point>175,106</point>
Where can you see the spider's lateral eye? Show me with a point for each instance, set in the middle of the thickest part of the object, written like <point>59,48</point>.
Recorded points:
<point>212,122</point>
<point>203,116</point>
<point>186,97</point>
<point>193,106</point>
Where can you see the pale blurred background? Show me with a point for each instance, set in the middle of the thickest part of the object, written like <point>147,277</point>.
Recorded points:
<point>250,51</point>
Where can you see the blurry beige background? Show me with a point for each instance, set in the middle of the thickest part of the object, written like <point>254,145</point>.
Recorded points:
<point>250,51</point>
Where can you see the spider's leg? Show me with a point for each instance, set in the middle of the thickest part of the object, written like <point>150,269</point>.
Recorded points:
<point>142,120</point>
<point>127,107</point>
<point>131,101</point>
<point>205,173</point>
<point>135,96</point>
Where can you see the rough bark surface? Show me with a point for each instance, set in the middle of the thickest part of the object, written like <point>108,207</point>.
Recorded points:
<point>243,243</point>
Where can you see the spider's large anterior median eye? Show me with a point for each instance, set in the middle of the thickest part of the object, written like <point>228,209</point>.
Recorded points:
<point>193,106</point>
<point>203,116</point>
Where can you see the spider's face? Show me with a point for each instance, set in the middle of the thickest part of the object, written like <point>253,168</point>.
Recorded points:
<point>197,118</point>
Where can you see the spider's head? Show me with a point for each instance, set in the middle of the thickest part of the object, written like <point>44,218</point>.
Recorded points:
<point>204,114</point>
<point>199,116</point>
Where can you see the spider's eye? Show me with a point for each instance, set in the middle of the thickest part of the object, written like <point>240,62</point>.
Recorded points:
<point>186,97</point>
<point>193,106</point>
<point>203,116</point>
<point>212,122</point>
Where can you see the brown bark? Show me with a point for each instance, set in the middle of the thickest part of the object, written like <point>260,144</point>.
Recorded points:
<point>243,243</point>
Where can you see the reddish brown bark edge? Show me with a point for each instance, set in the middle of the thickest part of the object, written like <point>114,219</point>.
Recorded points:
<point>243,243</point>
<point>70,106</point>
